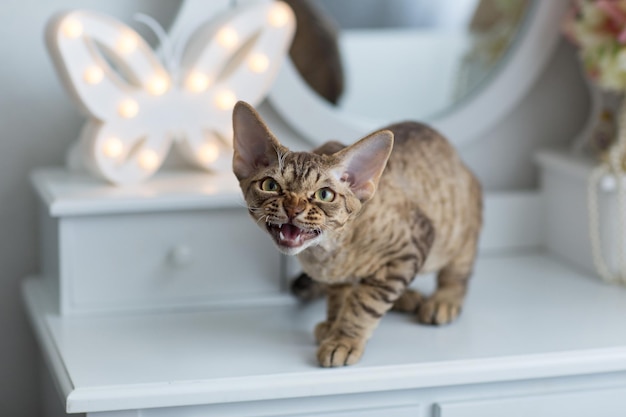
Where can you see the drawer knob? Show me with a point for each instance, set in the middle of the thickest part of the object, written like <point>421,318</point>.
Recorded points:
<point>181,255</point>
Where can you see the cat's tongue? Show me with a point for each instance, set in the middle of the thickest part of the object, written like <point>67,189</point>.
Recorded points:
<point>290,236</point>
<point>290,233</point>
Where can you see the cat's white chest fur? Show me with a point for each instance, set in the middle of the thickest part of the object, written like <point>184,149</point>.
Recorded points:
<point>328,263</point>
<point>335,261</point>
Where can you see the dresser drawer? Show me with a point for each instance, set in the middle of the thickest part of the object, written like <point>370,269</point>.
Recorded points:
<point>605,403</point>
<point>407,411</point>
<point>146,260</point>
<point>373,404</point>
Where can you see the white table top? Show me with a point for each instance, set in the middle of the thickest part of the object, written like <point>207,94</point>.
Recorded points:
<point>527,316</point>
<point>67,193</point>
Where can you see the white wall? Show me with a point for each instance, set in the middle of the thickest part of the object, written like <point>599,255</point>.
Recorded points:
<point>38,124</point>
<point>552,113</point>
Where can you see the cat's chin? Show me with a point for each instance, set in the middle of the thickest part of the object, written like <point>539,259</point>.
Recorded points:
<point>291,239</point>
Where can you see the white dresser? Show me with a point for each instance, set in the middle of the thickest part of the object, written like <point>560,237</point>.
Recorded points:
<point>138,313</point>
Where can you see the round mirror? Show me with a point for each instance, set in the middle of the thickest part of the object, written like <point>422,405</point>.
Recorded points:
<point>459,65</point>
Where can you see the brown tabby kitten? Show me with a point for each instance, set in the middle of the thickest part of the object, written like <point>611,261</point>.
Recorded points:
<point>365,220</point>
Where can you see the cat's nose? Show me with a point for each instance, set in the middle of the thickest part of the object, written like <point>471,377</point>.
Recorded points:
<point>294,206</point>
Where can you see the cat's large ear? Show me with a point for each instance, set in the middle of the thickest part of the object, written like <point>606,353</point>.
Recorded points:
<point>362,164</point>
<point>254,145</point>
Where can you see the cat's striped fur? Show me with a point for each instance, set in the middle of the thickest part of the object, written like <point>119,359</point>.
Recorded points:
<point>395,213</point>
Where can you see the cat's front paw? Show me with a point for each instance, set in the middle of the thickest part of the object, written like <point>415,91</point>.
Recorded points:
<point>439,310</point>
<point>339,351</point>
<point>322,330</point>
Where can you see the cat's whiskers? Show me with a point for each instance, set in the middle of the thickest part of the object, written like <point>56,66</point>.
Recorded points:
<point>262,219</point>
<point>281,158</point>
<point>322,227</point>
<point>258,213</point>
<point>243,203</point>
<point>261,216</point>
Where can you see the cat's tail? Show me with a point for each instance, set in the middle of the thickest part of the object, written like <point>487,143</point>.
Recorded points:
<point>305,289</point>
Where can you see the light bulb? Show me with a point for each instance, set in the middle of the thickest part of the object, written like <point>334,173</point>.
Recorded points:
<point>148,159</point>
<point>128,108</point>
<point>93,75</point>
<point>208,152</point>
<point>227,37</point>
<point>113,148</point>
<point>72,28</point>
<point>197,82</point>
<point>258,63</point>
<point>279,14</point>
<point>127,43</point>
<point>158,85</point>
<point>225,100</point>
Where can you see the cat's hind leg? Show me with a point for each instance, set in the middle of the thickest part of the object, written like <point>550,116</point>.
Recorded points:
<point>445,304</point>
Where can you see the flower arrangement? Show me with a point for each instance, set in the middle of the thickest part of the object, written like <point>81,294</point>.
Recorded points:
<point>598,28</point>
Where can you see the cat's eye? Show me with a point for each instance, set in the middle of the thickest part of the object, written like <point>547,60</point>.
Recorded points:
<point>325,194</point>
<point>270,185</point>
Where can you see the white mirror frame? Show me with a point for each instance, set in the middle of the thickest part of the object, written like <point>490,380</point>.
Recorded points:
<point>192,13</point>
<point>318,121</point>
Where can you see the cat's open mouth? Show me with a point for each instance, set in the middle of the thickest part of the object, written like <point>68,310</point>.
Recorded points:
<point>289,235</point>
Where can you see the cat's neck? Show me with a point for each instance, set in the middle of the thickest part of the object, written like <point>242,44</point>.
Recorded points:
<point>331,243</point>
<point>320,261</point>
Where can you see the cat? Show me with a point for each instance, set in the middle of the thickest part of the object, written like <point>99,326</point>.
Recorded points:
<point>363,220</point>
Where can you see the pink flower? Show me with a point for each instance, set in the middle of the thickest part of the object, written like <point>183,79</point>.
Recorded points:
<point>617,18</point>
<point>598,29</point>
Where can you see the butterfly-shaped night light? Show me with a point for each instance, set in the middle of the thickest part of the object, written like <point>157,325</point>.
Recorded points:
<point>138,107</point>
